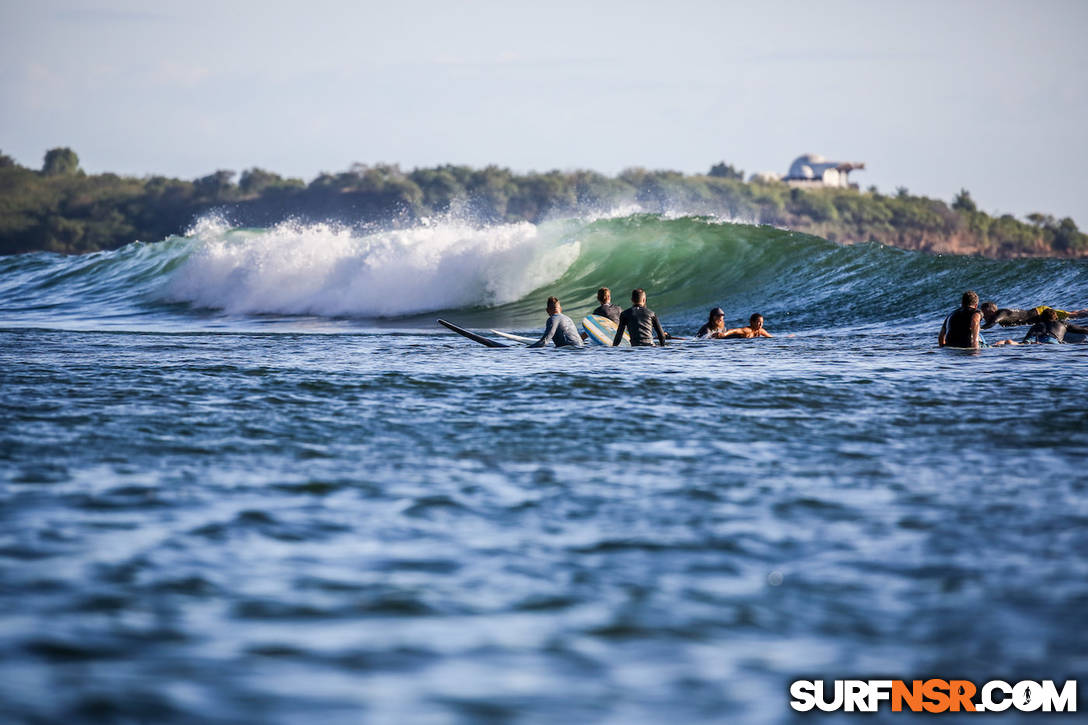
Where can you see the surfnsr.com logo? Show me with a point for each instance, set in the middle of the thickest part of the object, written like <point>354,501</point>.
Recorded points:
<point>933,696</point>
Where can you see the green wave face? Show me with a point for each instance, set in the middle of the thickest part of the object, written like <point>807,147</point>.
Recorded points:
<point>688,265</point>
<point>683,264</point>
<point>502,275</point>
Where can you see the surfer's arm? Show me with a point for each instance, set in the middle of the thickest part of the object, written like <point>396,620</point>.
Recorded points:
<point>659,330</point>
<point>764,333</point>
<point>549,332</point>
<point>975,320</point>
<point>1035,329</point>
<point>1079,329</point>
<point>620,328</point>
<point>943,334</point>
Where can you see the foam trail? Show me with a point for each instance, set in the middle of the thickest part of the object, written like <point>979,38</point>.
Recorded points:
<point>329,271</point>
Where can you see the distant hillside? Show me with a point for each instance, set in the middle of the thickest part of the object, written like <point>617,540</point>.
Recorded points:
<point>60,208</point>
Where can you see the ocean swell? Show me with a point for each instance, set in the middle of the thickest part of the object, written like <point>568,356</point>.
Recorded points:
<point>501,274</point>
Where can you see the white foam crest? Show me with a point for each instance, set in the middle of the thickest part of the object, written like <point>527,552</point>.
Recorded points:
<point>710,218</point>
<point>325,270</point>
<point>209,226</point>
<point>619,211</point>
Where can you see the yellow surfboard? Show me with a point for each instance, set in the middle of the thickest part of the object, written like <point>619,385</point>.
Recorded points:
<point>602,331</point>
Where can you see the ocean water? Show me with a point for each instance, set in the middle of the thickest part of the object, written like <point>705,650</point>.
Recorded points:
<point>244,477</point>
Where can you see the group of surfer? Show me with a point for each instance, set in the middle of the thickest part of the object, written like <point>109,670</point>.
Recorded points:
<point>963,327</point>
<point>638,321</point>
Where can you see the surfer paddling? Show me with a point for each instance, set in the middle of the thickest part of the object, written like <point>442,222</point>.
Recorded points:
<point>559,328</point>
<point>1010,317</point>
<point>1052,328</point>
<point>640,321</point>
<point>1049,330</point>
<point>754,329</point>
<point>961,328</point>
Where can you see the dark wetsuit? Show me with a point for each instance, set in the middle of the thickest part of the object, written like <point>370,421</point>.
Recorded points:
<point>1052,332</point>
<point>1010,318</point>
<point>560,328</point>
<point>958,327</point>
<point>706,330</point>
<point>641,322</point>
<point>610,311</point>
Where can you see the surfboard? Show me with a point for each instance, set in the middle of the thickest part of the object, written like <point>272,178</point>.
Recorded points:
<point>515,338</point>
<point>602,331</point>
<point>471,335</point>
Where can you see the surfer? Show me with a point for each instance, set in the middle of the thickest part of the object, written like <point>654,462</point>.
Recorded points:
<point>961,328</point>
<point>1010,317</point>
<point>1049,330</point>
<point>606,308</point>
<point>754,329</point>
<point>1052,328</point>
<point>715,324</point>
<point>640,321</point>
<point>559,328</point>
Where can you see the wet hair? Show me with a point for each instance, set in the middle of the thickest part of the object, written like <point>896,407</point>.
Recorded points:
<point>553,302</point>
<point>602,293</point>
<point>716,312</point>
<point>1050,315</point>
<point>753,318</point>
<point>638,294</point>
<point>970,299</point>
<point>988,307</point>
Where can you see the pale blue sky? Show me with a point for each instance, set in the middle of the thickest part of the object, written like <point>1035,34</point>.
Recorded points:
<point>934,96</point>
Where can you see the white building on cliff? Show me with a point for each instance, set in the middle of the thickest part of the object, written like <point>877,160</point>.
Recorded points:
<point>813,170</point>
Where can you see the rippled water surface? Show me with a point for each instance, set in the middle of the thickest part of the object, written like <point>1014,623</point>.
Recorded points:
<point>408,528</point>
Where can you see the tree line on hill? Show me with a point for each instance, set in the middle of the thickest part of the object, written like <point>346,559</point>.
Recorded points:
<point>60,208</point>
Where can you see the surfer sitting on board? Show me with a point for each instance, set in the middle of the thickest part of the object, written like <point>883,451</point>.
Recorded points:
<point>1049,330</point>
<point>961,328</point>
<point>606,308</point>
<point>559,328</point>
<point>754,329</point>
<point>1007,317</point>
<point>715,324</point>
<point>640,321</point>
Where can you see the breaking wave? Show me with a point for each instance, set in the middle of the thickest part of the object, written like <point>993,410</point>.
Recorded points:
<point>502,273</point>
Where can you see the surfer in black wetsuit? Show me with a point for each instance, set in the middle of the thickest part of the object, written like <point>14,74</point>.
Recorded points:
<point>715,324</point>
<point>559,328</point>
<point>1049,330</point>
<point>961,328</point>
<point>606,308</point>
<point>640,321</point>
<point>1010,317</point>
